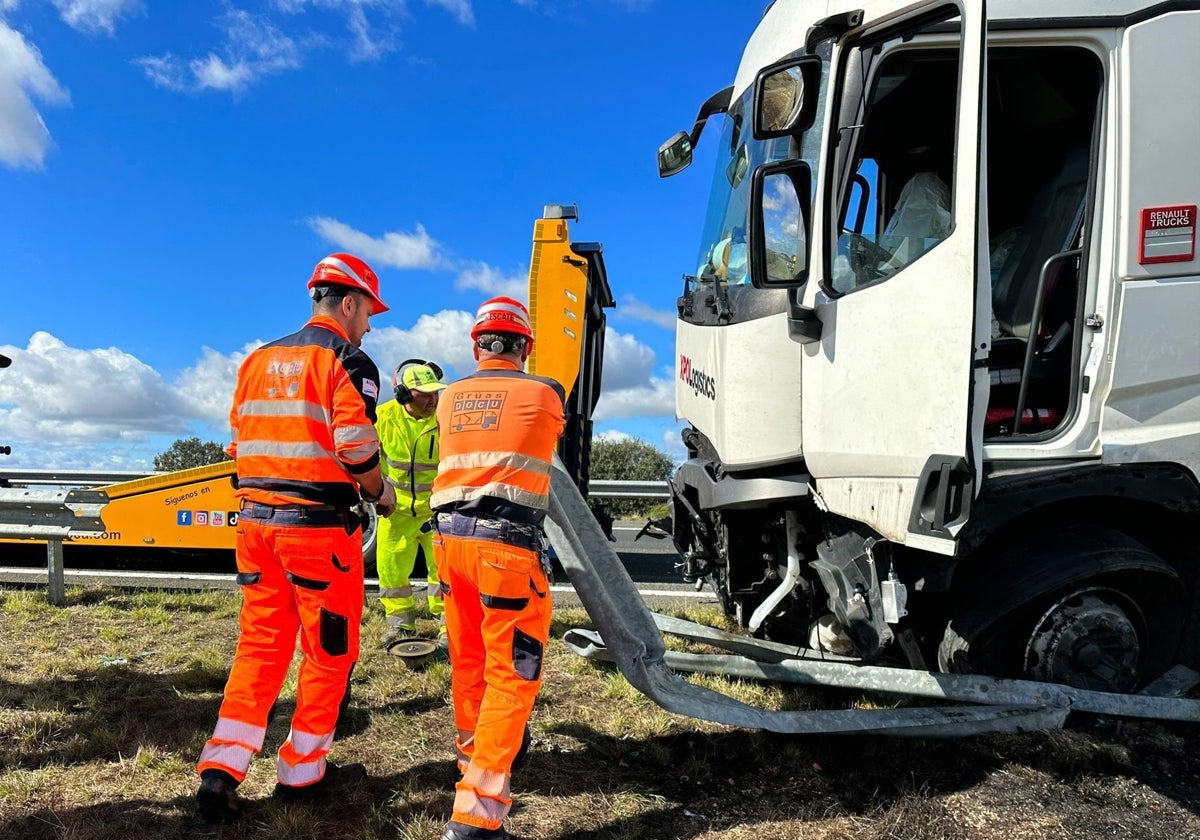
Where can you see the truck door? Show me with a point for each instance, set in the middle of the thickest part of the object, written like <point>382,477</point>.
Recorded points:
<point>895,390</point>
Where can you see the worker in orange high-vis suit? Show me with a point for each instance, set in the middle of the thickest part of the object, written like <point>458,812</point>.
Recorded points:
<point>304,439</point>
<point>499,428</point>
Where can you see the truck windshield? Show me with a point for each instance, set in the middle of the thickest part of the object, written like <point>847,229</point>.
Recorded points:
<point>723,241</point>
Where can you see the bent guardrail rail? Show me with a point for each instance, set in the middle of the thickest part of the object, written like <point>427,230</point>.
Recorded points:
<point>51,515</point>
<point>630,636</point>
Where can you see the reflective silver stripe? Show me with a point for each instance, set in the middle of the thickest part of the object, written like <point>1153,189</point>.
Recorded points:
<point>347,270</point>
<point>234,756</point>
<point>397,592</point>
<point>284,408</point>
<point>277,449</point>
<point>404,620</point>
<point>361,452</point>
<point>305,743</point>
<point>237,732</point>
<point>420,466</point>
<point>475,460</point>
<point>400,465</point>
<point>541,501</point>
<point>304,773</point>
<point>354,434</point>
<point>423,488</point>
<point>516,311</point>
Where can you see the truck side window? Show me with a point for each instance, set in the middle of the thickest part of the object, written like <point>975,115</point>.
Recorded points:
<point>895,198</point>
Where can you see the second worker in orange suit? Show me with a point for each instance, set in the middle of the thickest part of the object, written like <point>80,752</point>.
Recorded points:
<point>498,428</point>
<point>303,436</point>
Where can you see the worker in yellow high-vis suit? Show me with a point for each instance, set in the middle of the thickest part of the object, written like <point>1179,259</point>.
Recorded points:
<point>408,436</point>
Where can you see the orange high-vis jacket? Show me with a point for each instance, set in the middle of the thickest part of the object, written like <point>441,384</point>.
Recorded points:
<point>498,431</point>
<point>303,418</point>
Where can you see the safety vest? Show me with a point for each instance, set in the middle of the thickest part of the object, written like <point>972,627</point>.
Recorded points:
<point>499,428</point>
<point>409,457</point>
<point>303,418</point>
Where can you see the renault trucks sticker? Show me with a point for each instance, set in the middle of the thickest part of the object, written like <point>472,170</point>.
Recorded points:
<point>1168,234</point>
<point>700,382</point>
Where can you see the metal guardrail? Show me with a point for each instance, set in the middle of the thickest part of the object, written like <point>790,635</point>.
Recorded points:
<point>51,515</point>
<point>628,489</point>
<point>601,489</point>
<point>65,478</point>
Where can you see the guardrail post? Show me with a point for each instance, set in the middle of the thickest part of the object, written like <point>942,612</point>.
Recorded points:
<point>54,563</point>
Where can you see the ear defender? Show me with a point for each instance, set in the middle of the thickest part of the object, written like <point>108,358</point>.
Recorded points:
<point>404,394</point>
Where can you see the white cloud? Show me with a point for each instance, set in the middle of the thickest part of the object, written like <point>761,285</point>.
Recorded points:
<point>24,138</point>
<point>61,392</point>
<point>444,338</point>
<point>207,386</point>
<point>371,38</point>
<point>491,281</point>
<point>253,48</point>
<point>672,443</point>
<point>614,436</point>
<point>630,388</point>
<point>102,408</point>
<point>395,250</point>
<point>461,9</point>
<point>95,16</point>
<point>633,308</point>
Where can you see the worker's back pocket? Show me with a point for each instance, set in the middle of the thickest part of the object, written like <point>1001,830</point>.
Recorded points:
<point>506,577</point>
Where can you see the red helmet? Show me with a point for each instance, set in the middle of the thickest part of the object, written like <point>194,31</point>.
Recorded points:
<point>349,270</point>
<point>502,315</point>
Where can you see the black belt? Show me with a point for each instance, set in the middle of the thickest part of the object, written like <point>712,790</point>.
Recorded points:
<point>518,534</point>
<point>309,516</point>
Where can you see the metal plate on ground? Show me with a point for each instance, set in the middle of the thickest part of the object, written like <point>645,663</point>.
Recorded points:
<point>412,651</point>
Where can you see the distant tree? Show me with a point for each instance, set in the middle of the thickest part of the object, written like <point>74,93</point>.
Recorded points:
<point>629,460</point>
<point>187,453</point>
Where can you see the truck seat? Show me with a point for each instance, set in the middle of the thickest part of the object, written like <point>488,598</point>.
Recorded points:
<point>1051,227</point>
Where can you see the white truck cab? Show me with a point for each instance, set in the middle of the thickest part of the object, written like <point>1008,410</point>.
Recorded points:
<point>940,356</point>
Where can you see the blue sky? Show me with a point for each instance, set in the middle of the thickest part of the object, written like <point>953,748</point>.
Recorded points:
<point>172,171</point>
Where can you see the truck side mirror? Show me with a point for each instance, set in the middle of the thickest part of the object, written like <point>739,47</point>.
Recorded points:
<point>785,97</point>
<point>780,221</point>
<point>675,155</point>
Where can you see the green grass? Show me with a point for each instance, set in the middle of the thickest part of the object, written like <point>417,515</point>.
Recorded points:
<point>106,703</point>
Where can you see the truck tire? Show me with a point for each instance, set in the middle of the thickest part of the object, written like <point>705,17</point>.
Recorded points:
<point>1099,611</point>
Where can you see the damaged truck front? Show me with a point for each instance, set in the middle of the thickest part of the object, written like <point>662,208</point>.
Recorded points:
<point>938,356</point>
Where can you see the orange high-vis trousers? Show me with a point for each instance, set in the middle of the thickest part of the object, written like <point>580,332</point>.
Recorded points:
<point>294,580</point>
<point>498,622</point>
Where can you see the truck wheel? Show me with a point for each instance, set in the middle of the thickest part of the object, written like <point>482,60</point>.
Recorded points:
<point>369,534</point>
<point>1114,631</point>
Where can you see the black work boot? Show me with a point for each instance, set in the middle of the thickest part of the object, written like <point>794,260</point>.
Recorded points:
<point>337,779</point>
<point>217,801</point>
<point>523,752</point>
<point>462,831</point>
